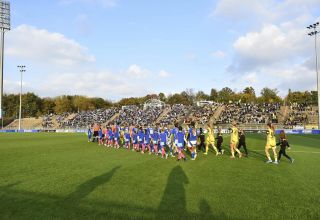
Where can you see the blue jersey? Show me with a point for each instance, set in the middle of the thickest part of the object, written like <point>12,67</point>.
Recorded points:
<point>140,136</point>
<point>180,139</point>
<point>110,134</point>
<point>127,137</point>
<point>163,139</point>
<point>174,132</point>
<point>89,132</point>
<point>135,138</point>
<point>155,137</point>
<point>147,138</point>
<point>193,138</point>
<point>117,133</point>
<point>100,133</point>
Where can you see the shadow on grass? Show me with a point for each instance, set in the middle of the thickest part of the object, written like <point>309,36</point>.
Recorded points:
<point>19,204</point>
<point>87,187</point>
<point>173,201</point>
<point>257,155</point>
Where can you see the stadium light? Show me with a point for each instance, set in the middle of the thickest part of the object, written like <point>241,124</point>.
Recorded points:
<point>4,26</point>
<point>22,69</point>
<point>314,33</point>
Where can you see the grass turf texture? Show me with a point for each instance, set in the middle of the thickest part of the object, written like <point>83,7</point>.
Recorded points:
<point>61,176</point>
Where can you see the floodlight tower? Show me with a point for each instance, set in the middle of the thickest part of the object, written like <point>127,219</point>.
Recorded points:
<point>314,33</point>
<point>4,26</point>
<point>22,70</point>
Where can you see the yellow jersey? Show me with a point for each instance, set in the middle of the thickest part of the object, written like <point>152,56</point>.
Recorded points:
<point>234,135</point>
<point>271,139</point>
<point>210,136</point>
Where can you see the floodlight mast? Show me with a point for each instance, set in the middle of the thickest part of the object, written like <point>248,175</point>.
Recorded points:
<point>314,33</point>
<point>22,70</point>
<point>4,26</point>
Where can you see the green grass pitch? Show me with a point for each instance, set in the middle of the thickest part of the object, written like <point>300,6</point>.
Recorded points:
<point>62,176</point>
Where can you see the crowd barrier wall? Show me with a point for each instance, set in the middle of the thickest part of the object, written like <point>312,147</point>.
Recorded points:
<point>224,131</point>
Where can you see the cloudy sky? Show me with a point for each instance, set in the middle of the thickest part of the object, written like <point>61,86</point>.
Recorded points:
<point>121,48</point>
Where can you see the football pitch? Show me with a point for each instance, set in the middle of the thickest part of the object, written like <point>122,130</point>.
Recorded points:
<point>62,176</point>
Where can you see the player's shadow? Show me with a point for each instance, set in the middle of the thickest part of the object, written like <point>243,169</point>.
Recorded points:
<point>173,204</point>
<point>87,187</point>
<point>257,155</point>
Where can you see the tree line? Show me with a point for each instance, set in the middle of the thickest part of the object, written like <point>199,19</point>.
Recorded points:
<point>35,106</point>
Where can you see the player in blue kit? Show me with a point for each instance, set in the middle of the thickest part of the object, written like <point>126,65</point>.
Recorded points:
<point>89,133</point>
<point>141,140</point>
<point>180,140</point>
<point>110,137</point>
<point>147,140</point>
<point>100,135</point>
<point>163,143</point>
<point>116,137</point>
<point>127,138</point>
<point>135,142</point>
<point>192,143</point>
<point>155,140</point>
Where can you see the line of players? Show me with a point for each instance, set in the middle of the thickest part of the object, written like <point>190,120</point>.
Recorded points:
<point>165,142</point>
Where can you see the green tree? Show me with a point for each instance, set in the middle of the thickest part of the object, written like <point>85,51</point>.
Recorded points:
<point>31,105</point>
<point>178,99</point>
<point>48,105</point>
<point>200,95</point>
<point>248,95</point>
<point>225,95</point>
<point>269,95</point>
<point>214,95</point>
<point>162,97</point>
<point>63,104</point>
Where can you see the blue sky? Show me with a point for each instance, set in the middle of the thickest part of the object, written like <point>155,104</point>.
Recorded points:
<point>121,48</point>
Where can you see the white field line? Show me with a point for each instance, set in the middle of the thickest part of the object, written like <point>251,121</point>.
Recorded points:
<point>292,151</point>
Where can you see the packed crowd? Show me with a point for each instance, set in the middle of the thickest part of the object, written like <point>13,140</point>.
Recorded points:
<point>245,113</point>
<point>47,121</point>
<point>298,115</point>
<point>82,119</point>
<point>203,114</point>
<point>135,115</point>
<point>241,112</point>
<point>178,112</point>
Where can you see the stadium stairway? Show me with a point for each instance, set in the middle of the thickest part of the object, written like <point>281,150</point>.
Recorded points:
<point>282,115</point>
<point>217,114</point>
<point>26,123</point>
<point>112,118</point>
<point>163,114</point>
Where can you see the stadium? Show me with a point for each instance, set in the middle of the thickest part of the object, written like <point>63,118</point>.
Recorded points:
<point>199,129</point>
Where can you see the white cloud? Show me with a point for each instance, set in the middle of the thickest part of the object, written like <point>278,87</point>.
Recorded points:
<point>251,78</point>
<point>218,54</point>
<point>104,84</point>
<point>40,45</point>
<point>164,74</point>
<point>272,45</point>
<point>136,71</point>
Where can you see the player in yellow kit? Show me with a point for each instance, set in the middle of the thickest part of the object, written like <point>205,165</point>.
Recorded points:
<point>210,140</point>
<point>271,144</point>
<point>234,141</point>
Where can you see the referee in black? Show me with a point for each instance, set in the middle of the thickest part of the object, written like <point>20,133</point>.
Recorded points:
<point>242,142</point>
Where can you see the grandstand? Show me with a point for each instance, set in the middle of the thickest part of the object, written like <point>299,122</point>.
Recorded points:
<point>153,112</point>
